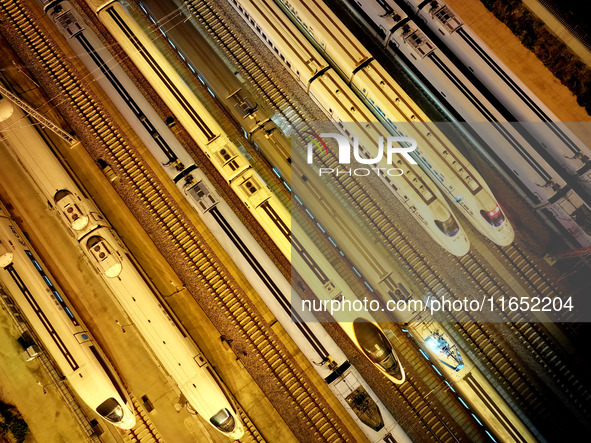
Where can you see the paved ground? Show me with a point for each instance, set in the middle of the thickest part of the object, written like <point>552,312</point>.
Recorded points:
<point>48,419</point>
<point>520,59</point>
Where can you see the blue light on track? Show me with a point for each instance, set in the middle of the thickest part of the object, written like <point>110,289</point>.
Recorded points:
<point>464,403</point>
<point>450,387</point>
<point>491,437</point>
<point>476,418</point>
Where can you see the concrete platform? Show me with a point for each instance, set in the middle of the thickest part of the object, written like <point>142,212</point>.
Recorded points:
<point>520,60</point>
<point>46,415</point>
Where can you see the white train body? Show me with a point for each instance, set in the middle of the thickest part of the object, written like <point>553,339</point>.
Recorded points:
<point>178,355</point>
<point>368,260</point>
<point>529,173</point>
<point>174,349</point>
<point>413,189</point>
<point>565,147</point>
<point>359,325</point>
<point>327,358</point>
<point>436,155</point>
<point>227,158</point>
<point>375,269</point>
<point>60,331</point>
<point>467,382</point>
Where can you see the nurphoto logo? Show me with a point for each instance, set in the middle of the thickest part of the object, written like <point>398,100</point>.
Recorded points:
<point>390,145</point>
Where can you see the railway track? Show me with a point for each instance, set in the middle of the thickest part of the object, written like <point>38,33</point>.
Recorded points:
<point>144,430</point>
<point>251,433</point>
<point>432,421</point>
<point>510,373</point>
<point>534,337</point>
<point>307,406</point>
<point>49,367</point>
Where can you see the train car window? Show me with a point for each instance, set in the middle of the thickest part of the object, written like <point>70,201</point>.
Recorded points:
<point>223,420</point>
<point>48,282</point>
<point>58,296</point>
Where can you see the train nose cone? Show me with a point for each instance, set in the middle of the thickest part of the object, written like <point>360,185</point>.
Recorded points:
<point>6,256</point>
<point>6,109</point>
<point>376,346</point>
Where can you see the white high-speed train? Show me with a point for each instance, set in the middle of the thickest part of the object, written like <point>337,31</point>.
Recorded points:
<point>329,286</point>
<point>225,156</point>
<point>58,327</point>
<point>468,383</point>
<point>228,159</point>
<point>375,268</point>
<point>328,360</point>
<point>413,189</point>
<point>532,177</point>
<point>366,78</point>
<point>553,136</point>
<point>106,252</point>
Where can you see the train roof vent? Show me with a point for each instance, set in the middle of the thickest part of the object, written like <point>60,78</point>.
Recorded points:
<point>447,18</point>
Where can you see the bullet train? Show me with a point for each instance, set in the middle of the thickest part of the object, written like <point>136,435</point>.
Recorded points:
<point>275,285</point>
<point>413,189</point>
<point>59,328</point>
<point>226,157</point>
<point>521,103</point>
<point>436,155</point>
<point>256,122</point>
<point>328,360</point>
<point>176,352</point>
<point>329,286</point>
<point>375,269</point>
<point>466,381</point>
<point>534,179</point>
